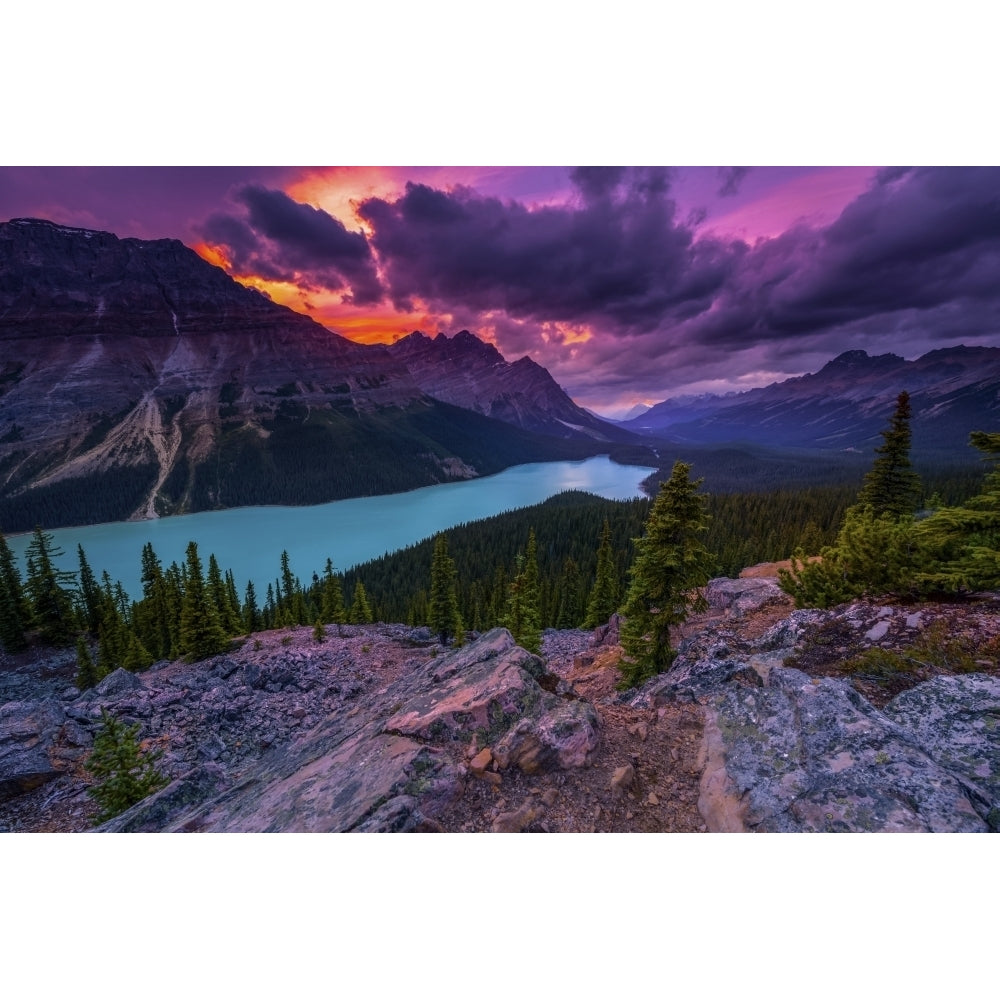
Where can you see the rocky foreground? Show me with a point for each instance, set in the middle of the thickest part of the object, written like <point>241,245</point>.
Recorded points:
<point>759,725</point>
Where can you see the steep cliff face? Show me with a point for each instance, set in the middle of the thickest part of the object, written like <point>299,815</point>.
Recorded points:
<point>137,359</point>
<point>465,371</point>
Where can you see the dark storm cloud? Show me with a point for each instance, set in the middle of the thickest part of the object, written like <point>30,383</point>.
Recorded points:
<point>284,240</point>
<point>619,260</point>
<point>731,178</point>
<point>620,257</point>
<point>917,241</point>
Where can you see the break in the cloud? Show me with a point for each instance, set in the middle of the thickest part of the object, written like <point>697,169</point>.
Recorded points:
<point>283,240</point>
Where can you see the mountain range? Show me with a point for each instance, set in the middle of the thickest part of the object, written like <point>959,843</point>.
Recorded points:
<point>137,379</point>
<point>845,405</point>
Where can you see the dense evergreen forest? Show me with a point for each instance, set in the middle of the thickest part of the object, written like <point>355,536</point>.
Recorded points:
<point>564,563</point>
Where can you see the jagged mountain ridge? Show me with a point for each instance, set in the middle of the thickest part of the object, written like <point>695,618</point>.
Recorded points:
<point>467,372</point>
<point>846,404</point>
<point>139,358</point>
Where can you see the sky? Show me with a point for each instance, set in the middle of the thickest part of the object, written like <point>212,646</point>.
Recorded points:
<point>629,284</point>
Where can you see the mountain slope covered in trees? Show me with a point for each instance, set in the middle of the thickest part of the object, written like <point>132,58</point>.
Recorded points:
<point>136,379</point>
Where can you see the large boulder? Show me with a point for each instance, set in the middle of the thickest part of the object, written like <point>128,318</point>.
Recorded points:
<point>28,734</point>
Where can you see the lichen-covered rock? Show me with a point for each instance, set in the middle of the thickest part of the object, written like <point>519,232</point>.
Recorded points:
<point>28,732</point>
<point>702,666</point>
<point>740,596</point>
<point>489,691</point>
<point>957,721</point>
<point>155,811</point>
<point>802,754</point>
<point>563,737</point>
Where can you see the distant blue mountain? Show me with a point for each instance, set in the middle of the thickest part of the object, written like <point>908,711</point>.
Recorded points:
<point>846,404</point>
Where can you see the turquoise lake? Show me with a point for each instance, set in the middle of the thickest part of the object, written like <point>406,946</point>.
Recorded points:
<point>249,540</point>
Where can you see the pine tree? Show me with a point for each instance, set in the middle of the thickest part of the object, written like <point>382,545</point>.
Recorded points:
<point>86,670</point>
<point>14,610</point>
<point>135,656</point>
<point>270,609</point>
<point>445,619</point>
<point>332,601</point>
<point>126,774</point>
<point>960,546</point>
<point>51,602</point>
<point>319,633</point>
<point>286,586</point>
<point>201,633</point>
<point>604,594</point>
<point>90,594</point>
<point>892,488</point>
<point>219,594</point>
<point>568,613</point>
<point>251,613</point>
<point>361,612</point>
<point>877,550</point>
<point>522,616</point>
<point>108,653</point>
<point>671,562</point>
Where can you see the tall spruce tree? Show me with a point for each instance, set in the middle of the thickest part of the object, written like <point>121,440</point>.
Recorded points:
<point>14,609</point>
<point>568,611</point>
<point>218,591</point>
<point>86,671</point>
<point>603,601</point>
<point>201,632</point>
<point>671,563</point>
<point>90,594</point>
<point>48,591</point>
<point>876,550</point>
<point>892,488</point>
<point>251,613</point>
<point>361,612</point>
<point>332,600</point>
<point>445,620</point>
<point>523,616</point>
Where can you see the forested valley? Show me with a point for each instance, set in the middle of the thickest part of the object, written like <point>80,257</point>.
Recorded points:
<point>563,563</point>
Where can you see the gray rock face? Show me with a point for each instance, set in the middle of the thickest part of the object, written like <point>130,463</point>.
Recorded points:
<point>957,721</point>
<point>28,732</point>
<point>392,765</point>
<point>802,754</point>
<point>786,752</point>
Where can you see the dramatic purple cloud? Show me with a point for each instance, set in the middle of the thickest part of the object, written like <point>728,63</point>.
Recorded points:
<point>617,258</point>
<point>912,263</point>
<point>626,283</point>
